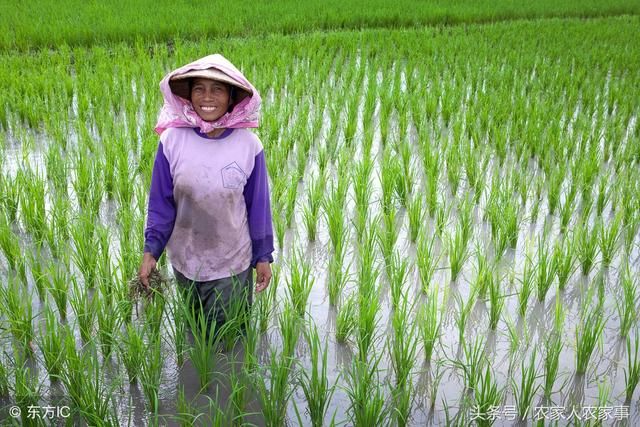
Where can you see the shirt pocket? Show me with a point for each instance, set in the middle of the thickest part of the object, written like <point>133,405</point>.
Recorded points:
<point>233,177</point>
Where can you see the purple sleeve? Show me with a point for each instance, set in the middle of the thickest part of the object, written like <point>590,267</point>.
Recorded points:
<point>161,212</point>
<point>256,197</point>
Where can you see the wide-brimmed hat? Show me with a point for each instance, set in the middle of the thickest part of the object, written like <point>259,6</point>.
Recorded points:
<point>180,84</point>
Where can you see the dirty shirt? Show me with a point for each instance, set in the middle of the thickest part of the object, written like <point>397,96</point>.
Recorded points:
<point>209,203</point>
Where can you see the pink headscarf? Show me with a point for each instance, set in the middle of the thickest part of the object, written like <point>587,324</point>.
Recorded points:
<point>178,112</point>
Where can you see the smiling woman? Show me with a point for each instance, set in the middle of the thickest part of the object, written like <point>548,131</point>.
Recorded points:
<point>209,198</point>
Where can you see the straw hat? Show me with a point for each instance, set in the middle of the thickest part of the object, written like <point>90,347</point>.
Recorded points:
<point>180,84</point>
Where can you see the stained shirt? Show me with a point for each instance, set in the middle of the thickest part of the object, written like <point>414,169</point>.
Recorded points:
<point>209,203</point>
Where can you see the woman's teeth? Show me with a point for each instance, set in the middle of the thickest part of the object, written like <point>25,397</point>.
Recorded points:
<point>208,109</point>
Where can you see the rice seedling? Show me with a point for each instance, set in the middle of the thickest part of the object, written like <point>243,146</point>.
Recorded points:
<point>387,236</point>
<point>586,244</point>
<point>85,253</point>
<point>388,176</point>
<point>367,322</point>
<point>416,214</point>
<point>430,321</point>
<point>527,284</point>
<point>361,180</point>
<point>10,196</point>
<point>18,311</point>
<point>151,371</point>
<point>463,312</point>
<point>563,260</point>
<point>346,319</point>
<point>131,350</point>
<point>604,193</point>
<point>337,278</point>
<point>367,402</point>
<point>275,396</point>
<point>544,269</point>
<point>289,322</point>
<point>10,246</point>
<point>632,371</point>
<point>312,208</point>
<point>474,362</point>
<point>486,396</point>
<point>627,305</point>
<point>108,324</point>
<point>608,239</point>
<point>85,308</point>
<point>315,385</point>
<point>588,333</point>
<point>50,342</point>
<point>85,384</point>
<point>32,202</point>
<point>38,273</point>
<point>26,391</point>
<point>496,297</point>
<point>442,212</point>
<point>457,251</point>
<point>526,392</point>
<point>434,384</point>
<point>334,216</point>
<point>426,261</point>
<point>299,282</point>
<point>398,270</point>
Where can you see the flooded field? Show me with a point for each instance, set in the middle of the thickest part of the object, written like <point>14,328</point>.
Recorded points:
<point>456,215</point>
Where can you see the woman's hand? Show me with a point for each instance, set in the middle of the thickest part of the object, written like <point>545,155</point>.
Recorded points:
<point>263,275</point>
<point>146,267</point>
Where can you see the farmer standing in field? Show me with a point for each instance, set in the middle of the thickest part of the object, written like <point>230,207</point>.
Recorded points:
<point>209,197</point>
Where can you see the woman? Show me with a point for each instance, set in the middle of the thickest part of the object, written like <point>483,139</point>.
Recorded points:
<point>209,197</point>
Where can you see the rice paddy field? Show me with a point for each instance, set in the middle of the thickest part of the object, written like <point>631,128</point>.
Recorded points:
<point>456,210</point>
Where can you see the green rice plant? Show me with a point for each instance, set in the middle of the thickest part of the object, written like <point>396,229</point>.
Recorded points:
<point>312,208</point>
<point>51,341</point>
<point>38,273</point>
<point>416,215</point>
<point>486,396</point>
<point>457,251</point>
<point>299,282</point>
<point>526,392</point>
<point>388,175</point>
<point>398,272</point>
<point>367,401</point>
<point>465,218</point>
<point>177,328</point>
<point>588,333</point>
<point>604,193</point>
<point>434,384</point>
<point>151,371</point>
<point>404,184</point>
<point>563,259</point>
<point>387,236</point>
<point>32,202</point>
<point>337,278</point>
<point>545,271</point>
<point>586,244</point>
<point>346,319</point>
<point>85,251</point>
<point>566,211</point>
<point>10,245</point>
<point>484,272</point>
<point>275,396</point>
<point>85,384</point>
<point>555,181</point>
<point>442,213</point>
<point>290,198</point>
<point>85,308</point>
<point>131,348</point>
<point>553,347</point>
<point>315,385</point>
<point>18,312</point>
<point>632,372</point>
<point>474,362</point>
<point>496,297</point>
<point>426,261</point>
<point>528,277</point>
<point>334,215</point>
<point>367,322</point>
<point>10,196</point>
<point>463,312</point>
<point>290,328</point>
<point>430,322</point>
<point>361,179</point>
<point>627,306</point>
<point>608,239</point>
<point>26,390</point>
<point>4,378</point>
<point>108,324</point>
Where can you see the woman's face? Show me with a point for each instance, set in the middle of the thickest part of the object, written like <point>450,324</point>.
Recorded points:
<point>210,98</point>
